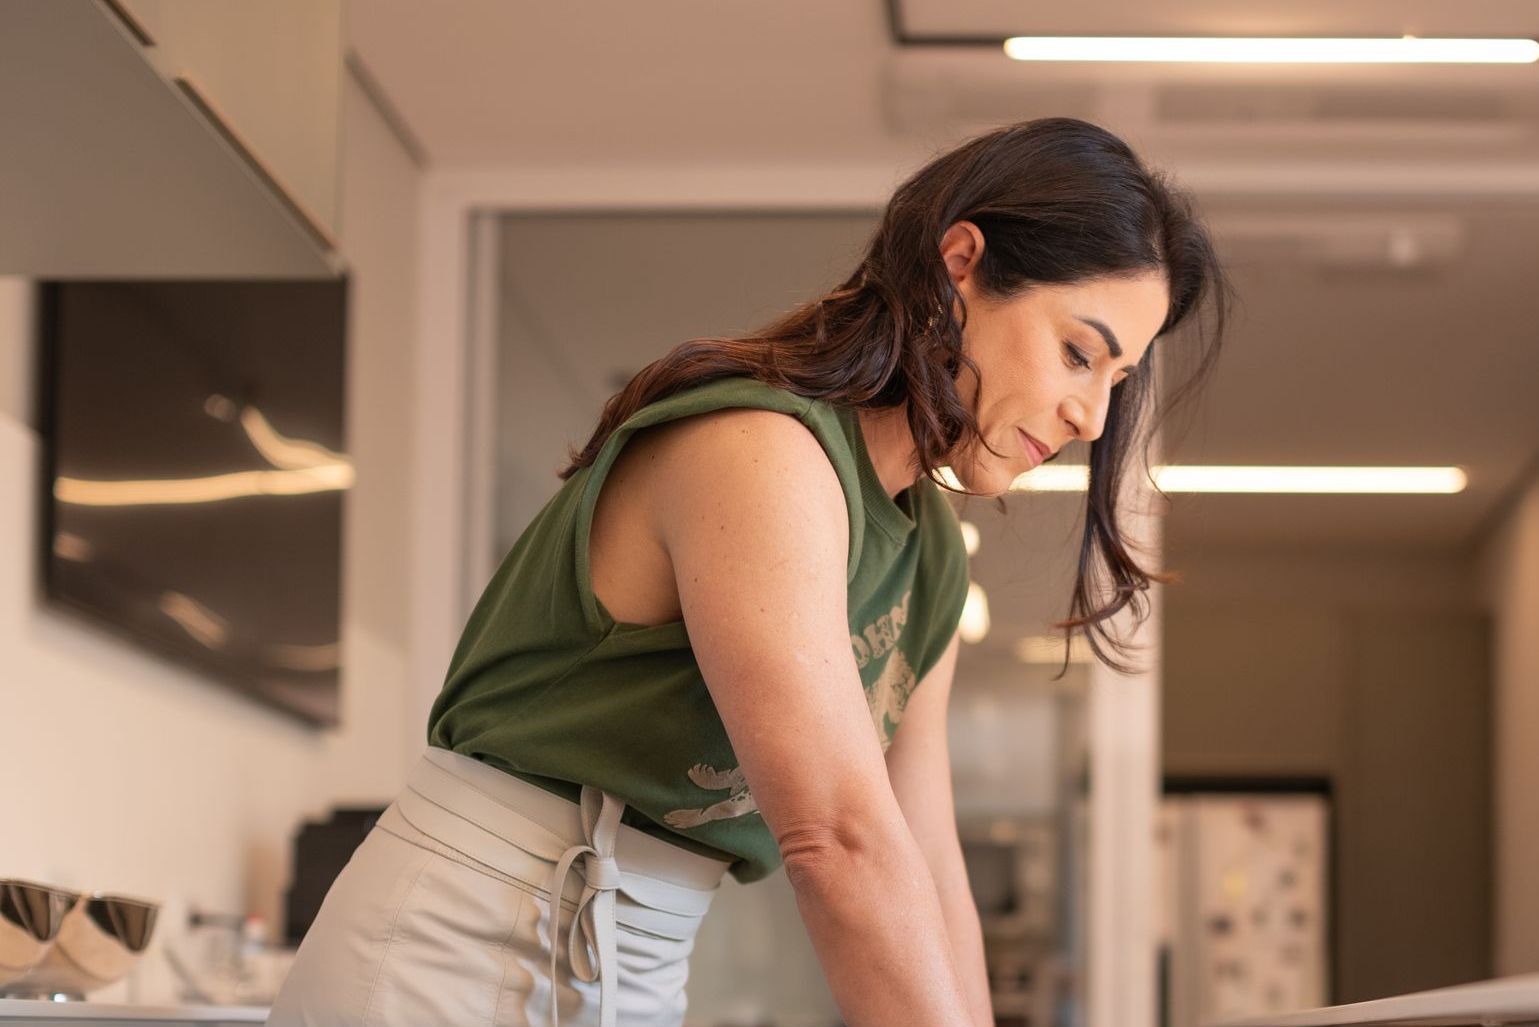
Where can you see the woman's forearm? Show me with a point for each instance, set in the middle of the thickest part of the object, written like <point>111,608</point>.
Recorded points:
<point>881,935</point>
<point>965,931</point>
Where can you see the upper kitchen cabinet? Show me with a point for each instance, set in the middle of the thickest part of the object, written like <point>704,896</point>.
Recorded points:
<point>272,68</point>
<point>170,138</point>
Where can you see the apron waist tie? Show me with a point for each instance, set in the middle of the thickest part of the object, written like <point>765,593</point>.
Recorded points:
<point>595,918</point>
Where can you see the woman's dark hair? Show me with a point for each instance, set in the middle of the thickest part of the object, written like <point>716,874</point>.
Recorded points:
<point>1058,200</point>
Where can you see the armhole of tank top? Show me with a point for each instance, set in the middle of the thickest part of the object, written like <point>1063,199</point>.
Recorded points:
<point>950,585</point>
<point>597,618</point>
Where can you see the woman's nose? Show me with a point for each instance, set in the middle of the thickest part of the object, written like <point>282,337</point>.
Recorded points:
<point>1087,419</point>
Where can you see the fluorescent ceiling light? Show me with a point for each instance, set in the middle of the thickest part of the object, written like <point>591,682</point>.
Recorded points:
<point>1265,50</point>
<point>1346,480</point>
<point>1183,478</point>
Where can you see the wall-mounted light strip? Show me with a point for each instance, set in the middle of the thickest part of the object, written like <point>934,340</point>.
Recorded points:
<point>1308,480</point>
<point>1264,50</point>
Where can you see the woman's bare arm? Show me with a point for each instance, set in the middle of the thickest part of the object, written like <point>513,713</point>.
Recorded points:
<point>755,525</point>
<point>919,767</point>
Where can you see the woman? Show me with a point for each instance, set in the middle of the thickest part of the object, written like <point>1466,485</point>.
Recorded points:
<point>696,658</point>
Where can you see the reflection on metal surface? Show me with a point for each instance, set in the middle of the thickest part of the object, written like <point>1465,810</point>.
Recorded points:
<point>300,466</point>
<point>203,624</point>
<point>30,917</point>
<point>213,489</point>
<point>96,943</point>
<point>69,546</point>
<point>214,632</point>
<point>284,451</point>
<point>327,656</point>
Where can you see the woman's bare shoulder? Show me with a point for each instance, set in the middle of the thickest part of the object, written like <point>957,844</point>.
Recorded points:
<point>739,469</point>
<point>738,455</point>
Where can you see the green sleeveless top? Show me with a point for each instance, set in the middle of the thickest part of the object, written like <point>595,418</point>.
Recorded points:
<point>545,685</point>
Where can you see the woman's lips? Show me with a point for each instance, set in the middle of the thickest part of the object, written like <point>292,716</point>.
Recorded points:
<point>1035,452</point>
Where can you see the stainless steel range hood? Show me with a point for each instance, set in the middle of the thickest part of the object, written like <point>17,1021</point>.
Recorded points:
<point>110,170</point>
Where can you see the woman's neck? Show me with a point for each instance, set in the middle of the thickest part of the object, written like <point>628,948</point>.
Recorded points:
<point>890,446</point>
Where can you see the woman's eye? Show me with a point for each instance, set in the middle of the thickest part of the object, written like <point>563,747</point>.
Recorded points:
<point>1076,356</point>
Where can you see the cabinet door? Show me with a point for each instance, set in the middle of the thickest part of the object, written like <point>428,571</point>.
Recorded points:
<point>271,70</point>
<point>114,169</point>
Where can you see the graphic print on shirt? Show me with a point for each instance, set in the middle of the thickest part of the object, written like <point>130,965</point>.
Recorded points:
<point>888,695</point>
<point>710,779</point>
<point>886,698</point>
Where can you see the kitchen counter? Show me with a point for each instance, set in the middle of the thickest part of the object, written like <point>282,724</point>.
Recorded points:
<point>43,1012</point>
<point>1505,1000</point>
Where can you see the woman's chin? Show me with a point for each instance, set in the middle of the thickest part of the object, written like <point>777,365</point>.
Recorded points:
<point>987,481</point>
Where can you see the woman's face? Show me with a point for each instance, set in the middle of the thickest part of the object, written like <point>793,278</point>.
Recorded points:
<point>1029,351</point>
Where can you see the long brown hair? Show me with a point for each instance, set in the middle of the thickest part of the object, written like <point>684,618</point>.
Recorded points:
<point>1058,200</point>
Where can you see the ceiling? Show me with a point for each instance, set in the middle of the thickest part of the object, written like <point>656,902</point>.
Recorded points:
<point>1340,355</point>
<point>488,83</point>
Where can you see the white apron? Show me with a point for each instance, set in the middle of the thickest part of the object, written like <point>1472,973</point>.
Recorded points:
<point>443,914</point>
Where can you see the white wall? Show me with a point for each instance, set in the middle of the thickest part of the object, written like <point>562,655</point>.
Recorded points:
<point>127,773</point>
<point>1509,582</point>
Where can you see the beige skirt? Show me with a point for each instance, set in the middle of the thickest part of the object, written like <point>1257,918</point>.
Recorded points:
<point>443,914</point>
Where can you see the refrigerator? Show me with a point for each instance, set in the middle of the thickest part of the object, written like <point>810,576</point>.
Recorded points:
<point>1245,914</point>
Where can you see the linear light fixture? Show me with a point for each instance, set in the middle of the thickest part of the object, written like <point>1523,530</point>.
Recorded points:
<point>1272,50</point>
<point>1345,480</point>
<point>1307,480</point>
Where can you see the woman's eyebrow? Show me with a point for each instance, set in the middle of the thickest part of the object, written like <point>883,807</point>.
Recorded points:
<point>1111,340</point>
<point>1106,333</point>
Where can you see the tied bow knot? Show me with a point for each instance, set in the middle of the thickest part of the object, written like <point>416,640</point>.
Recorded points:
<point>602,873</point>
<point>593,927</point>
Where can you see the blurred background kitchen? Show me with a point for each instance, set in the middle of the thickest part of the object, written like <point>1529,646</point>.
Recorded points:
<point>301,303</point>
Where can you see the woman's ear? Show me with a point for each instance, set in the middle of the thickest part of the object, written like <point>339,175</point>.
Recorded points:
<point>961,249</point>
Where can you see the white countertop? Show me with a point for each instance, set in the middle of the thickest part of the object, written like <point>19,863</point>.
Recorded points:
<point>41,1011</point>
<point>1506,1000</point>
